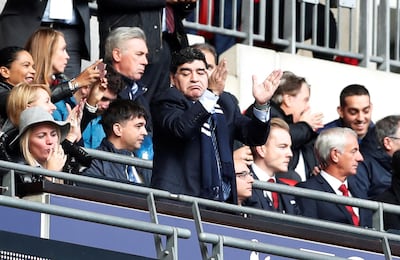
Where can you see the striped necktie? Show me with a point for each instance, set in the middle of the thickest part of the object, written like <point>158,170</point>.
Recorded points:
<point>170,20</point>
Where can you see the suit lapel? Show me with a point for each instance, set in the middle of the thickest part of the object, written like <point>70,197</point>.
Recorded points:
<point>258,197</point>
<point>328,188</point>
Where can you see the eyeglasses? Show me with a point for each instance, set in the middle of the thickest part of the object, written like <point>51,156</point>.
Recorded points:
<point>243,174</point>
<point>394,137</point>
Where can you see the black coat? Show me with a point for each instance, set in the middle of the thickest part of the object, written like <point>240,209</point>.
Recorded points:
<point>303,138</point>
<point>144,14</point>
<point>20,19</point>
<point>177,122</point>
<point>287,202</point>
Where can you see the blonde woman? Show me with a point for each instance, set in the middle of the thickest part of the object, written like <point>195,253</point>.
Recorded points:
<point>25,96</point>
<point>39,137</point>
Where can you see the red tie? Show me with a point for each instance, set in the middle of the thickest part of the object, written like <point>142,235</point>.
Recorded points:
<point>345,192</point>
<point>275,198</point>
<point>169,13</point>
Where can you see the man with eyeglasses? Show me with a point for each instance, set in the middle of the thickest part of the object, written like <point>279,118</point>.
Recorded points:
<point>244,181</point>
<point>195,125</point>
<point>269,159</point>
<point>374,174</point>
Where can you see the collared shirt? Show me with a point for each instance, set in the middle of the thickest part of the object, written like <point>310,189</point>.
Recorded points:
<point>335,184</point>
<point>263,176</point>
<point>209,99</point>
<point>61,11</point>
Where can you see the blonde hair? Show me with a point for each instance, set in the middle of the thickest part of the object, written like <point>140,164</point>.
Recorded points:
<point>42,45</point>
<point>20,97</point>
<point>24,144</point>
<point>277,123</point>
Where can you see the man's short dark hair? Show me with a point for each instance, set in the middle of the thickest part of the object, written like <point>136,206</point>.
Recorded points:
<point>120,111</point>
<point>352,90</point>
<point>186,55</point>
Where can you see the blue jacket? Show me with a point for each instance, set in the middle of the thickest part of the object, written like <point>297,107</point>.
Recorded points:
<point>329,211</point>
<point>112,170</point>
<point>374,174</point>
<point>93,133</point>
<point>61,113</point>
<point>339,123</point>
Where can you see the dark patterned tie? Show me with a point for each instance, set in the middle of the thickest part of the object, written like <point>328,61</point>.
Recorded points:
<point>170,20</point>
<point>354,217</point>
<point>226,187</point>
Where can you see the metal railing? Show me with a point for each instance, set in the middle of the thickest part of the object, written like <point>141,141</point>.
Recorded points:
<point>217,240</point>
<point>367,30</point>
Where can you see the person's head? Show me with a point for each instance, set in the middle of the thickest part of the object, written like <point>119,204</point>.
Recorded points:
<point>188,72</point>
<point>26,95</point>
<point>210,53</point>
<point>114,86</point>
<point>16,65</point>
<point>49,51</point>
<point>355,108</point>
<point>124,123</point>
<point>39,134</point>
<point>338,152</point>
<point>292,95</point>
<point>388,133</point>
<point>126,50</point>
<point>275,154</point>
<point>244,181</point>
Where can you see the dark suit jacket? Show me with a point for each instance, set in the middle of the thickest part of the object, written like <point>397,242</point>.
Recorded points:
<point>144,14</point>
<point>177,123</point>
<point>287,202</point>
<point>19,19</point>
<point>303,138</point>
<point>330,211</point>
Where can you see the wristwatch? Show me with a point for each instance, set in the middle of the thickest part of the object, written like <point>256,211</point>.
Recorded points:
<point>73,86</point>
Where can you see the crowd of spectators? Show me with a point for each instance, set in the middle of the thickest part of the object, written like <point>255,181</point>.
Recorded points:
<point>152,94</point>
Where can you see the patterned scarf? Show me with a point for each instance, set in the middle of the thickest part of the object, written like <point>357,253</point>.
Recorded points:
<point>216,158</point>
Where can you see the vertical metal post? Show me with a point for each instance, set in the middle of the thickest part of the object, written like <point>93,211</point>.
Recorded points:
<point>365,32</point>
<point>153,215</point>
<point>199,229</point>
<point>289,27</point>
<point>248,21</point>
<point>383,34</point>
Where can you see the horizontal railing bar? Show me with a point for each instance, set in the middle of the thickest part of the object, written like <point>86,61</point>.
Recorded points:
<point>94,217</point>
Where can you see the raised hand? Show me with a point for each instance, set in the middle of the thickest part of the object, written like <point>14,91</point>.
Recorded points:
<point>263,92</point>
<point>56,159</point>
<point>217,79</point>
<point>89,76</point>
<point>74,118</point>
<point>243,154</point>
<point>313,119</point>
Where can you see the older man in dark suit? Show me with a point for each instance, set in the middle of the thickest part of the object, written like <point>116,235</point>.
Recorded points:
<point>195,125</point>
<point>338,152</point>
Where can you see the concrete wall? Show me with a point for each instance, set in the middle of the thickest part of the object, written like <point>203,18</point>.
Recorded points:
<point>327,79</point>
